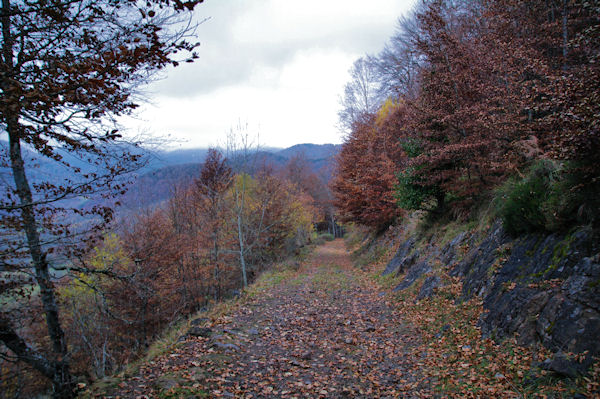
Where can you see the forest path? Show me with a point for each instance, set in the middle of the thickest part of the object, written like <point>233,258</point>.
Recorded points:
<point>321,331</point>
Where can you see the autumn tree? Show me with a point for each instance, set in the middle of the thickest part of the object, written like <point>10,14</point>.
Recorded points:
<point>216,177</point>
<point>361,94</point>
<point>465,120</point>
<point>556,45</point>
<point>364,183</point>
<point>298,171</point>
<point>66,69</point>
<point>187,223</point>
<point>148,290</point>
<point>112,316</point>
<point>241,150</point>
<point>486,89</point>
<point>286,217</point>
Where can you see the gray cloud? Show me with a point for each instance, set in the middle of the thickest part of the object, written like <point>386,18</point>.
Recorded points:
<point>279,65</point>
<point>241,36</point>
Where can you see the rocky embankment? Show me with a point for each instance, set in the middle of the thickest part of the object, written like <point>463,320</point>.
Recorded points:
<point>543,288</point>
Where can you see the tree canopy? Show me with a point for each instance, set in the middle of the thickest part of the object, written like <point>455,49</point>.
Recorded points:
<point>67,69</point>
<point>487,88</point>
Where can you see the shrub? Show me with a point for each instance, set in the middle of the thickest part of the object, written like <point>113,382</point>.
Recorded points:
<point>551,196</point>
<point>575,197</point>
<point>521,201</point>
<point>327,236</point>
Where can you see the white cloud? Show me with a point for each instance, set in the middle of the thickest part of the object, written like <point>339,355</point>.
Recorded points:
<point>279,65</point>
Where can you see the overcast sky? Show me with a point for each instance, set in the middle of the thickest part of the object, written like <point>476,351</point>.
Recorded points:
<point>278,66</point>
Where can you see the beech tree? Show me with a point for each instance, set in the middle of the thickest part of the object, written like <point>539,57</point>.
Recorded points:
<point>67,68</point>
<point>363,186</point>
<point>557,45</point>
<point>486,87</point>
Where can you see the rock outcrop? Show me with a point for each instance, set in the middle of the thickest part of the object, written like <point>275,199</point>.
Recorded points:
<point>405,257</point>
<point>543,288</point>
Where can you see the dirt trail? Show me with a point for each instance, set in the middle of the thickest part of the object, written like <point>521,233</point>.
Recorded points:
<point>322,331</point>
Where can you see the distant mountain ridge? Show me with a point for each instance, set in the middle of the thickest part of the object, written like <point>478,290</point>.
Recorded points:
<point>40,168</point>
<point>310,151</point>
<point>163,172</point>
<point>170,169</point>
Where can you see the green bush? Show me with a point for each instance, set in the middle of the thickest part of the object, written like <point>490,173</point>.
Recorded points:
<point>521,201</point>
<point>327,236</point>
<point>551,196</point>
<point>411,194</point>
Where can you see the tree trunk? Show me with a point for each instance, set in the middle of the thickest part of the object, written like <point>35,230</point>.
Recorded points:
<point>565,33</point>
<point>217,273</point>
<point>62,380</point>
<point>242,260</point>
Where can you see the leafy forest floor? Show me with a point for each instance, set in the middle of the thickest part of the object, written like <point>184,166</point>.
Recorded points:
<point>325,328</point>
<point>320,331</point>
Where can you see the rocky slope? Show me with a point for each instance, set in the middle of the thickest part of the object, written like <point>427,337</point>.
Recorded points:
<point>545,289</point>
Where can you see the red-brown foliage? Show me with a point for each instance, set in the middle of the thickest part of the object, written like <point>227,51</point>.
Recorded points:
<point>364,182</point>
<point>499,84</point>
<point>557,45</point>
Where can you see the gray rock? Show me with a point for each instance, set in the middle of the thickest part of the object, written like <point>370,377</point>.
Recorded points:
<point>477,266</point>
<point>226,346</point>
<point>546,290</point>
<point>448,254</point>
<point>401,260</point>
<point>408,262</point>
<point>584,285</point>
<point>413,274</point>
<point>231,331</point>
<point>543,288</point>
<point>200,332</point>
<point>428,287</point>
<point>563,366</point>
<point>511,313</point>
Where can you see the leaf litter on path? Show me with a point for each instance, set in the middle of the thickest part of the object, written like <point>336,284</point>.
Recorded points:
<point>325,332</point>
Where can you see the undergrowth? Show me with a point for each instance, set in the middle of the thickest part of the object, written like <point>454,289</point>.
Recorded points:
<point>551,196</point>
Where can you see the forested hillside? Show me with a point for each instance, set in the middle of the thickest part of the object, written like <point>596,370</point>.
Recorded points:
<point>474,100</point>
<point>165,170</point>
<point>467,188</point>
<point>471,163</point>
